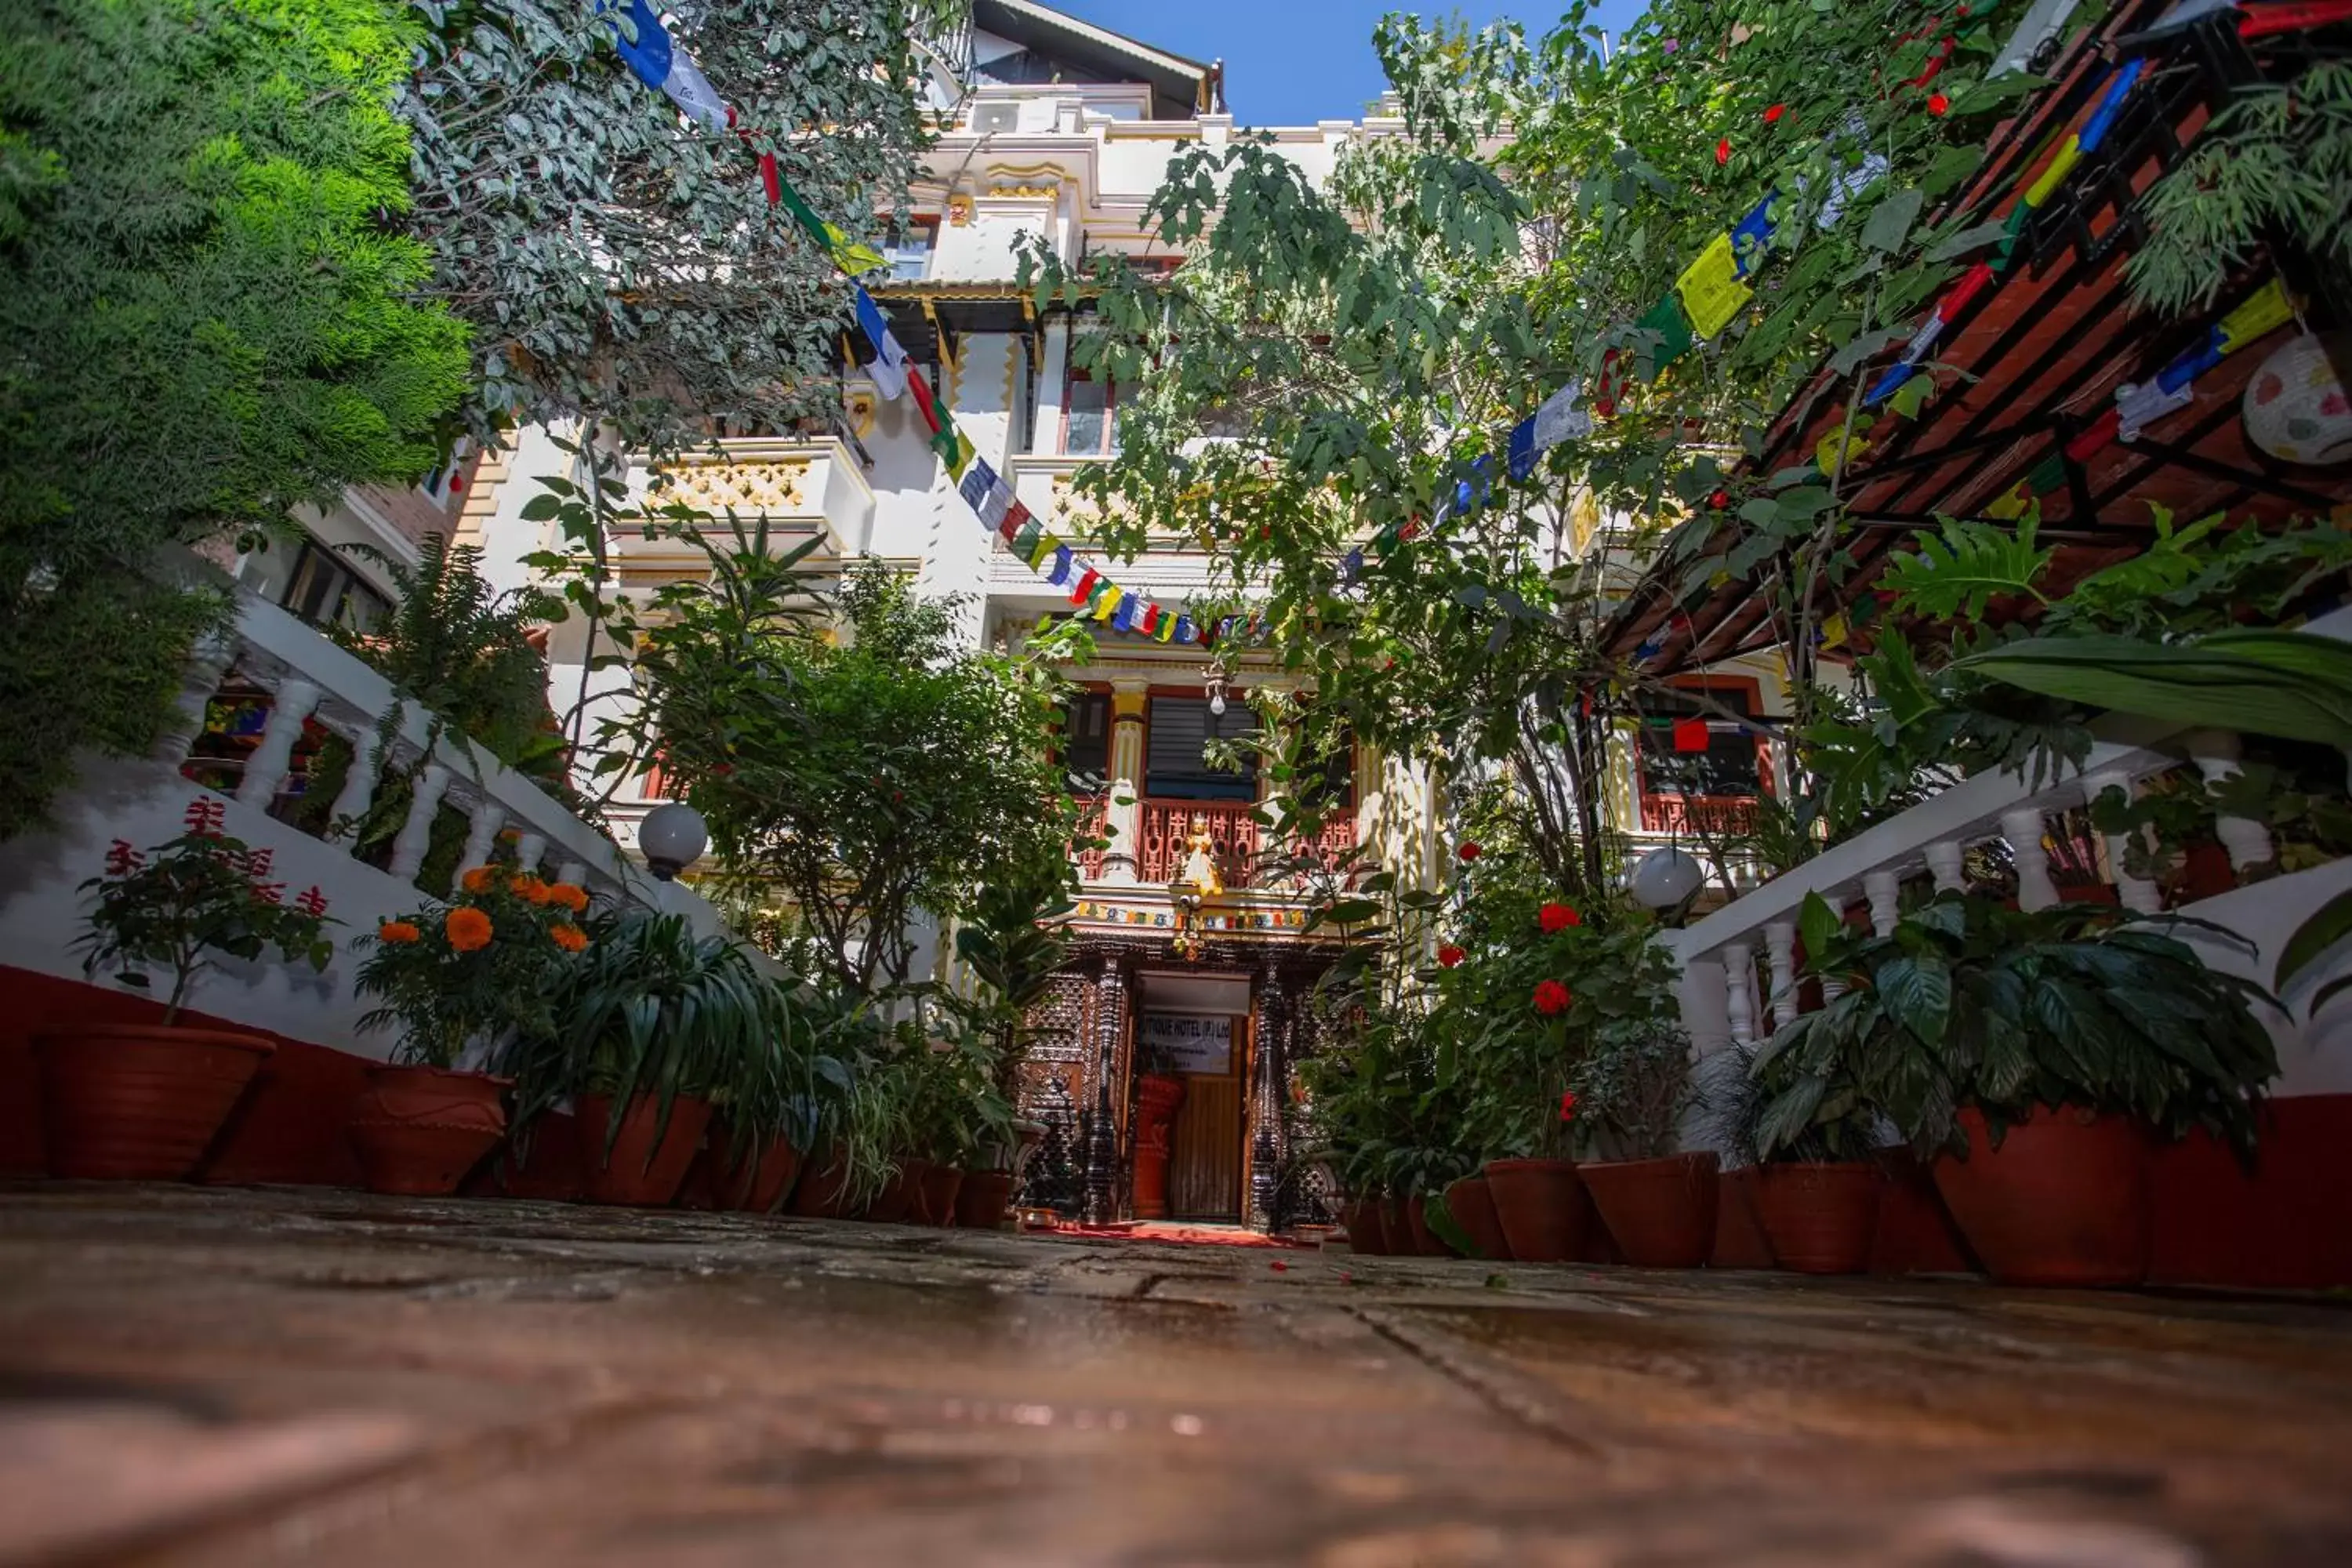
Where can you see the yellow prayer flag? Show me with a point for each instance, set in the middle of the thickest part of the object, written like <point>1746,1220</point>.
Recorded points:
<point>2267,308</point>
<point>2059,167</point>
<point>1109,604</point>
<point>1711,289</point>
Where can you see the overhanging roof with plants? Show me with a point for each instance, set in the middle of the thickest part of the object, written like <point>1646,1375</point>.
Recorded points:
<point>2024,397</point>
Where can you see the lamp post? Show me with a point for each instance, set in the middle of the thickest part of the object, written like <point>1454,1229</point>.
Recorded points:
<point>1668,879</point>
<point>672,838</point>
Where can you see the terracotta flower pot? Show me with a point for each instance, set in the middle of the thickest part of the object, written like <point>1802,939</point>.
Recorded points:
<point>636,1172</point>
<point>980,1200</point>
<point>2064,1200</point>
<point>937,1206</point>
<point>902,1197</point>
<point>820,1192</point>
<point>1425,1241</point>
<point>139,1103</point>
<point>1543,1209</point>
<point>1822,1217</point>
<point>1739,1239</point>
<point>754,1182</point>
<point>1661,1212</point>
<point>418,1131</point>
<point>1366,1236</point>
<point>1471,1202</point>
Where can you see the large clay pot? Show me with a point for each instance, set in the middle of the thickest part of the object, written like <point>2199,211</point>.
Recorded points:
<point>635,1171</point>
<point>1543,1209</point>
<point>1156,1099</point>
<point>821,1190</point>
<point>756,1181</point>
<point>1425,1241</point>
<point>138,1103</point>
<point>2064,1200</point>
<point>1471,1202</point>
<point>418,1131</point>
<point>900,1199</point>
<point>982,1199</point>
<point>1661,1212</point>
<point>1366,1236</point>
<point>937,1206</point>
<point>1739,1239</point>
<point>1822,1217</point>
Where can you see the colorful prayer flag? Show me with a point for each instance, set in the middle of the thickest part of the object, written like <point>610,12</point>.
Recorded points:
<point>890,368</point>
<point>1711,290</point>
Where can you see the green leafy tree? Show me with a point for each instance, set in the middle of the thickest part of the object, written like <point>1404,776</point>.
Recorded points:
<point>207,320</point>
<point>177,905</point>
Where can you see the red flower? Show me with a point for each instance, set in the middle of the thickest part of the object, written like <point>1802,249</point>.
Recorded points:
<point>1449,955</point>
<point>1552,998</point>
<point>1937,104</point>
<point>1719,500</point>
<point>1723,150</point>
<point>1772,115</point>
<point>1470,849</point>
<point>1558,918</point>
<point>1566,1105</point>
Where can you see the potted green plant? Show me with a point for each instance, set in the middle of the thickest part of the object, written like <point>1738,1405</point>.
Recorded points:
<point>141,1102</point>
<point>652,1023</point>
<point>1659,1204</point>
<point>2038,1054</point>
<point>463,982</point>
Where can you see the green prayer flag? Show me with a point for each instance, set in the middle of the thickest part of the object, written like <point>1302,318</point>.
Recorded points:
<point>1027,540</point>
<point>1674,330</point>
<point>847,255</point>
<point>952,448</point>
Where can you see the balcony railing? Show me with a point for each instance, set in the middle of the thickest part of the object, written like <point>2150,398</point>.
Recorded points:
<point>1741,975</point>
<point>1164,834</point>
<point>1715,815</point>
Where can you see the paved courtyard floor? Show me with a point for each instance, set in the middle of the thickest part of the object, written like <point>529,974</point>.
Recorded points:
<point>217,1377</point>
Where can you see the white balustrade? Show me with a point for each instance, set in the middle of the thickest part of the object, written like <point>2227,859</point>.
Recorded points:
<point>529,847</point>
<point>2023,829</point>
<point>1884,889</point>
<point>351,802</point>
<point>290,708</point>
<point>2137,894</point>
<point>1946,862</point>
<point>1781,945</point>
<point>408,850</point>
<point>2215,752</point>
<point>482,825</point>
<point>1738,991</point>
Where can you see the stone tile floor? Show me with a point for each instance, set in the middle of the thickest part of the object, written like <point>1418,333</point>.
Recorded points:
<point>216,1377</point>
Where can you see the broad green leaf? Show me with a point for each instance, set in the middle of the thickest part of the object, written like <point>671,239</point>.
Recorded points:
<point>1916,993</point>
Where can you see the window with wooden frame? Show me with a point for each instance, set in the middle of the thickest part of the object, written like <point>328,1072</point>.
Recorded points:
<point>1709,789</point>
<point>1089,415</point>
<point>1085,743</point>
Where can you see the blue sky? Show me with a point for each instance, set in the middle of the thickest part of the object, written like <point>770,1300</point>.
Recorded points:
<point>1293,62</point>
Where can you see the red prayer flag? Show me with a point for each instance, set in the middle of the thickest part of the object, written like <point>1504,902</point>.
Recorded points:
<point>923,405</point>
<point>1691,735</point>
<point>770,180</point>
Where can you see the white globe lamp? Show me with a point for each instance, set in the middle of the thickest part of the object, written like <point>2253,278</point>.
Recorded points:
<point>1666,879</point>
<point>672,838</point>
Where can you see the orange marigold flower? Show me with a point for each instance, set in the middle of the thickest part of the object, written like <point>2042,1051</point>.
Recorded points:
<point>571,896</point>
<point>398,931</point>
<point>480,880</point>
<point>531,889</point>
<point>468,931</point>
<point>570,938</point>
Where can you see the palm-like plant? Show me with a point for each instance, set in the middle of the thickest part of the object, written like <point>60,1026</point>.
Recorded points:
<point>649,1009</point>
<point>1011,945</point>
<point>1970,1004</point>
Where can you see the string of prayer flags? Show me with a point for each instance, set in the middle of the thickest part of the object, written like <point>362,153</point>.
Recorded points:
<point>1556,419</point>
<point>888,371</point>
<point>645,47</point>
<point>1712,289</point>
<point>848,253</point>
<point>986,494</point>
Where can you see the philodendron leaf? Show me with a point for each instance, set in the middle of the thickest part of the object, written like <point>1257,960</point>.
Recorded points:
<point>1916,993</point>
<point>2300,694</point>
<point>2328,925</point>
<point>1818,925</point>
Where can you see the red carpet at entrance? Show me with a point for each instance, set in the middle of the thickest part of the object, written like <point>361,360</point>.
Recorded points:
<point>1173,1231</point>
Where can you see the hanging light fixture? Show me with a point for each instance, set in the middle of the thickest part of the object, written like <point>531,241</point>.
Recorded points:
<point>1214,675</point>
<point>672,838</point>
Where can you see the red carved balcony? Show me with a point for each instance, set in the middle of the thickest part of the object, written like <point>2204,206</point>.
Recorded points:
<point>1090,825</point>
<point>1713,814</point>
<point>1166,827</point>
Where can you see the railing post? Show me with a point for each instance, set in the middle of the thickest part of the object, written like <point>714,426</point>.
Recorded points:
<point>1738,991</point>
<point>482,826</point>
<point>1831,987</point>
<point>207,662</point>
<point>1885,892</point>
<point>417,832</point>
<point>351,802</point>
<point>2215,752</point>
<point>572,871</point>
<point>527,850</point>
<point>1945,864</point>
<point>2023,828</point>
<point>2136,893</point>
<point>1781,945</point>
<point>293,702</point>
